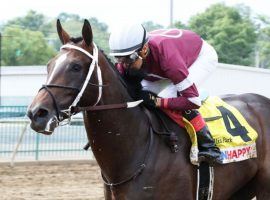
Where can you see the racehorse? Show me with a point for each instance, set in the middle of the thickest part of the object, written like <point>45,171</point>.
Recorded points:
<point>136,164</point>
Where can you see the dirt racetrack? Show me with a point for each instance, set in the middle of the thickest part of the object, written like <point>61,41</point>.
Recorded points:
<point>51,181</point>
<point>71,181</point>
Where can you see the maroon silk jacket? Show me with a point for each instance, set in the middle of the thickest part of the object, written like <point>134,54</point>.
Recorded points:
<point>172,52</point>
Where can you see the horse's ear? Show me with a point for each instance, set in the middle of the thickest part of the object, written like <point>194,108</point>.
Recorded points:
<point>63,35</point>
<point>87,33</point>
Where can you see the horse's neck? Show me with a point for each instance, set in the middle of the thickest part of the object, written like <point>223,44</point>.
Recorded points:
<point>118,137</point>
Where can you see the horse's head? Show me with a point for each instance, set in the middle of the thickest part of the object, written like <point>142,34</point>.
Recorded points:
<point>69,73</point>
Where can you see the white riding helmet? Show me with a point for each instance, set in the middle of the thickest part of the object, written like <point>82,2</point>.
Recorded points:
<point>127,39</point>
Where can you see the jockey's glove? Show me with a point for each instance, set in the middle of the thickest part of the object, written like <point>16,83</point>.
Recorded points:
<point>149,98</point>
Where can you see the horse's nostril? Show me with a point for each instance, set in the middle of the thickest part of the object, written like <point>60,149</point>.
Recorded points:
<point>29,114</point>
<point>41,113</point>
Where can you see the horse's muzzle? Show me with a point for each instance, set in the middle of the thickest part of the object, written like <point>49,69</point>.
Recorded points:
<point>42,121</point>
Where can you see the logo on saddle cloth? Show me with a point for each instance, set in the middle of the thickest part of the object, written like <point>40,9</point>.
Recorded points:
<point>231,132</point>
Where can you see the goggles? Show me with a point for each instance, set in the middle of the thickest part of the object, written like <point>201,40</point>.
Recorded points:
<point>127,59</point>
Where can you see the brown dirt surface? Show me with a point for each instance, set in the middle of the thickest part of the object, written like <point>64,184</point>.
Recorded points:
<point>54,181</point>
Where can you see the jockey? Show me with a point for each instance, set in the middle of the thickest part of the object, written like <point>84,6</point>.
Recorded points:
<point>173,62</point>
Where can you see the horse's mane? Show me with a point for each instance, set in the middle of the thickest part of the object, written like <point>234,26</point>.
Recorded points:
<point>130,87</point>
<point>112,65</point>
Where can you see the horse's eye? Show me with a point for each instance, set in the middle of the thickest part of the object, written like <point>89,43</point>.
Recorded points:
<point>76,67</point>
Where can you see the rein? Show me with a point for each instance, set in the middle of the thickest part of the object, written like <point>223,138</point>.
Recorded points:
<point>76,109</point>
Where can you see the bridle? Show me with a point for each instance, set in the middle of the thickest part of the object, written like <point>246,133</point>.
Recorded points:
<point>60,114</point>
<point>73,108</point>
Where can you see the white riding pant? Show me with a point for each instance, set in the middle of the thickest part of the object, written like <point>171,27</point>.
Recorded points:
<point>204,65</point>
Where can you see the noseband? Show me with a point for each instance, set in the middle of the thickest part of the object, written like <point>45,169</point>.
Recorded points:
<point>59,117</point>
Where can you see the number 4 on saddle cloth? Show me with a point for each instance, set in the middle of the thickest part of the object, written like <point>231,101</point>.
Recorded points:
<point>231,132</point>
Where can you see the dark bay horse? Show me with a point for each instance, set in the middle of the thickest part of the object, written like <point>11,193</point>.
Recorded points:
<point>133,165</point>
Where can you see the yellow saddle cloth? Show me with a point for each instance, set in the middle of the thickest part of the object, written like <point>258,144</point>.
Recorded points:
<point>231,132</point>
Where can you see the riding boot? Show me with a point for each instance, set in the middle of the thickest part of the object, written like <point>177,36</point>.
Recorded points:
<point>208,151</point>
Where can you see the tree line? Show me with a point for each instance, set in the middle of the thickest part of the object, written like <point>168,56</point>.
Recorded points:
<point>239,37</point>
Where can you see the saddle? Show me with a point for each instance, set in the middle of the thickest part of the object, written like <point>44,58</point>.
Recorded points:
<point>232,134</point>
<point>159,122</point>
